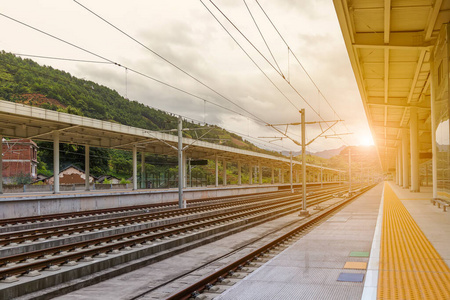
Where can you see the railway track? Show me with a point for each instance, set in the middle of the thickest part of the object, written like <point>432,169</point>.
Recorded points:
<point>180,227</point>
<point>215,283</point>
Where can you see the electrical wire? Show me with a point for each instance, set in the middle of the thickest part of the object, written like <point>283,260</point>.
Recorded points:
<point>133,70</point>
<point>262,36</point>
<point>168,61</point>
<point>243,35</point>
<point>61,58</point>
<point>248,55</point>
<point>298,61</point>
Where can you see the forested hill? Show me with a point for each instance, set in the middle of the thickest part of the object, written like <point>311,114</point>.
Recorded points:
<point>25,81</point>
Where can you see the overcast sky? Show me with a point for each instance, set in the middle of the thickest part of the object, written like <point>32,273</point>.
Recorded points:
<point>185,33</point>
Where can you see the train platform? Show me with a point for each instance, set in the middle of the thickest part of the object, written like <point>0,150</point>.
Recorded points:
<point>388,244</point>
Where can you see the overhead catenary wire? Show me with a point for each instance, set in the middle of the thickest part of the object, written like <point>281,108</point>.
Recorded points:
<point>262,36</point>
<point>248,55</point>
<point>298,61</point>
<point>253,117</point>
<point>133,70</point>
<point>245,37</point>
<point>63,58</point>
<point>168,61</point>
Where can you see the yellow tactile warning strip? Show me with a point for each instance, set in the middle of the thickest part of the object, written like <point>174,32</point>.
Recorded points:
<point>410,267</point>
<point>357,265</point>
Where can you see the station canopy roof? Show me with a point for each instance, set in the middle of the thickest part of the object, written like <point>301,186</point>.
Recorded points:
<point>389,44</point>
<point>23,121</point>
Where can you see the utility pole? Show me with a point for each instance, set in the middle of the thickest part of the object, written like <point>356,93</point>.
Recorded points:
<point>181,202</point>
<point>292,188</point>
<point>303,212</point>
<point>350,169</point>
<point>321,177</point>
<point>303,144</point>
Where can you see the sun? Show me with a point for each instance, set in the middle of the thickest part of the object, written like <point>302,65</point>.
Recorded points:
<point>366,140</point>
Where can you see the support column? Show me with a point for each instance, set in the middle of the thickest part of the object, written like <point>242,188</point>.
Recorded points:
<point>405,158</point>
<point>224,172</point>
<point>273,175</point>
<point>282,175</point>
<point>396,169</point>
<point>400,164</point>
<point>184,170</point>
<point>304,211</point>
<point>433,132</point>
<point>181,201</point>
<point>239,173</point>
<point>321,176</point>
<point>1,164</point>
<point>217,169</point>
<point>134,168</point>
<point>142,170</point>
<point>250,175</point>
<point>414,137</point>
<point>55,162</point>
<point>260,172</point>
<point>290,174</point>
<point>350,169</point>
<point>86,168</point>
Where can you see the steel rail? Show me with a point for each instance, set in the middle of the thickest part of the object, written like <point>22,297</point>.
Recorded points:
<point>98,245</point>
<point>195,289</point>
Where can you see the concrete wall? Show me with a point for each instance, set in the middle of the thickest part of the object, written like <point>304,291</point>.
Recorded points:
<point>34,205</point>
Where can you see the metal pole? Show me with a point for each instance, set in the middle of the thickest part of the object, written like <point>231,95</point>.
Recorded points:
<point>181,203</point>
<point>86,167</point>
<point>190,173</point>
<point>350,169</point>
<point>321,176</point>
<point>303,212</point>
<point>290,172</point>
<point>56,162</point>
<point>143,170</point>
<point>224,167</point>
<point>260,172</point>
<point>134,167</point>
<point>217,170</point>
<point>239,173</point>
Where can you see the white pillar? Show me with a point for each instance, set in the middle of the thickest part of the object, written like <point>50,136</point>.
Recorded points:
<point>273,174</point>
<point>239,173</point>
<point>134,167</point>
<point>290,174</point>
<point>414,134</point>
<point>56,162</point>
<point>260,172</point>
<point>217,169</point>
<point>406,160</point>
<point>400,164</point>
<point>250,175</point>
<point>143,170</point>
<point>224,172</point>
<point>433,132</point>
<point>86,168</point>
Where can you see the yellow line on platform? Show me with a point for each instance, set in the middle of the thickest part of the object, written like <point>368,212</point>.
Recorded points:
<point>410,267</point>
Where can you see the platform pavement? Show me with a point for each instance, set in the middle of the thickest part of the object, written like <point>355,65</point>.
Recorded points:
<point>311,267</point>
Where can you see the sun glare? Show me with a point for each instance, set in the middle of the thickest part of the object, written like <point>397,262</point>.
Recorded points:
<point>366,141</point>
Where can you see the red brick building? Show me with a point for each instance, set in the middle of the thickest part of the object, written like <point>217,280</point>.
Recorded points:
<point>19,157</point>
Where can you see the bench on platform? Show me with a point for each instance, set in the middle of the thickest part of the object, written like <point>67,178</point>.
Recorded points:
<point>439,203</point>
